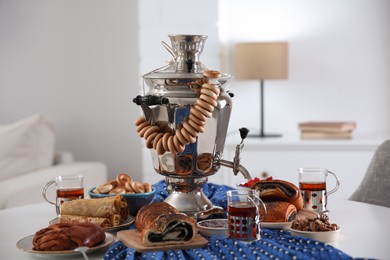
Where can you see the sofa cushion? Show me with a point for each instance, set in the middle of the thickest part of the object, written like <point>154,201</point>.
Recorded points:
<point>26,145</point>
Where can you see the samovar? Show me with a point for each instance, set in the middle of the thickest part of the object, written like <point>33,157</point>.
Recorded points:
<point>186,117</point>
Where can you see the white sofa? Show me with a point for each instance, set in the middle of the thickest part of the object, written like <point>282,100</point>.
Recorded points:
<point>28,161</point>
<point>27,188</point>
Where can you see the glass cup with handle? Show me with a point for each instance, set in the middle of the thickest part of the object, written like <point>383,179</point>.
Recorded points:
<point>244,214</point>
<point>68,187</point>
<point>312,184</point>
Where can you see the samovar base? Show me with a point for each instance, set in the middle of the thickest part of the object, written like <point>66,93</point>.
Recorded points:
<point>187,196</point>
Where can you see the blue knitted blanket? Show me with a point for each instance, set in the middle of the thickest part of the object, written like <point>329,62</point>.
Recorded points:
<point>274,243</point>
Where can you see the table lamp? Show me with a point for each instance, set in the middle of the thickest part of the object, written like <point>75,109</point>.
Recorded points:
<point>260,61</point>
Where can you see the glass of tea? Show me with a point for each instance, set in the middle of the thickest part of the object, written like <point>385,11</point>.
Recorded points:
<point>68,187</point>
<point>243,210</point>
<point>312,184</point>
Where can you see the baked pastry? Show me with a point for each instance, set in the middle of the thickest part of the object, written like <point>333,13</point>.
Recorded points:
<point>279,211</point>
<point>162,224</point>
<point>66,236</point>
<point>113,209</point>
<point>102,222</point>
<point>279,190</point>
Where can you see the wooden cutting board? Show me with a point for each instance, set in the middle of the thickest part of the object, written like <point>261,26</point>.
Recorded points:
<point>131,238</point>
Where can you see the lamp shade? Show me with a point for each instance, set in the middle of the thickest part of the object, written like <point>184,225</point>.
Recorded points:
<point>263,60</point>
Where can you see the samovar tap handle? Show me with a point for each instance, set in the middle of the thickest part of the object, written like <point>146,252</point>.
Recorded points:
<point>235,165</point>
<point>236,162</point>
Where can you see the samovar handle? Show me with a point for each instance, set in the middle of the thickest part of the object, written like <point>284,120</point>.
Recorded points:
<point>146,101</point>
<point>235,165</point>
<point>169,49</point>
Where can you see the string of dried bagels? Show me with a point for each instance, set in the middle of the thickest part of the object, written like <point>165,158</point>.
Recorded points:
<point>163,139</point>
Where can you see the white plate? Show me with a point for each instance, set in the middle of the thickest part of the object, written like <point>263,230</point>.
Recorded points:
<point>125,224</point>
<point>324,236</point>
<point>25,244</point>
<point>273,225</point>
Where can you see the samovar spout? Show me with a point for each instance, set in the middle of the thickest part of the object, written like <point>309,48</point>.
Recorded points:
<point>240,168</point>
<point>235,164</point>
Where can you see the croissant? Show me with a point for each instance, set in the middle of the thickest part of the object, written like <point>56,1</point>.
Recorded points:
<point>67,236</point>
<point>161,223</point>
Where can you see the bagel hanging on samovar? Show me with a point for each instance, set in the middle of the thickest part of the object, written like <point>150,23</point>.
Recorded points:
<point>158,139</point>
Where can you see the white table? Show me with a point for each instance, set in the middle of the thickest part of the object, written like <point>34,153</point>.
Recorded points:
<point>365,229</point>
<point>20,222</point>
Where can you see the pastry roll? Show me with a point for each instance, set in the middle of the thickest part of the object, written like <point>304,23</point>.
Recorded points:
<point>279,190</point>
<point>279,211</point>
<point>102,222</point>
<point>67,236</point>
<point>103,208</point>
<point>111,210</point>
<point>160,223</point>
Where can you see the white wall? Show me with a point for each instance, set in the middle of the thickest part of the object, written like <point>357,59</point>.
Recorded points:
<point>76,62</point>
<point>80,62</point>
<point>339,66</point>
<point>339,55</point>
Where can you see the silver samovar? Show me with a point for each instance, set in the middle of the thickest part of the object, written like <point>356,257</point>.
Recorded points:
<point>185,122</point>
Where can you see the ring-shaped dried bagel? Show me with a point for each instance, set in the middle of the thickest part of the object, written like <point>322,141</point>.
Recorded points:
<point>206,113</point>
<point>180,136</point>
<point>143,130</point>
<point>190,129</point>
<point>150,139</point>
<point>211,74</point>
<point>159,147</point>
<point>209,100</point>
<point>209,93</point>
<point>211,87</point>
<point>128,187</point>
<point>142,126</point>
<point>205,105</point>
<point>197,127</point>
<point>199,121</point>
<point>165,141</point>
<point>105,188</point>
<point>152,129</point>
<point>118,190</point>
<point>138,187</point>
<point>123,178</point>
<point>179,146</point>
<point>147,187</point>
<point>196,113</point>
<point>140,120</point>
<point>188,136</point>
<point>171,145</point>
<point>156,139</point>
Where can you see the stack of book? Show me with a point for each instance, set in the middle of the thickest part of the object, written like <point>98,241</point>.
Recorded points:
<point>327,130</point>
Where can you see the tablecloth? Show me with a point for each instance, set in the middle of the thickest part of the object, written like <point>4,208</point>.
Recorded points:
<point>274,243</point>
